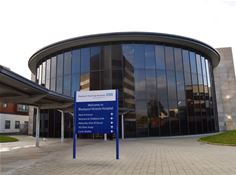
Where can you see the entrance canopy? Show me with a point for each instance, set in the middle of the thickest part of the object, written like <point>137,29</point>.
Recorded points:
<point>17,89</point>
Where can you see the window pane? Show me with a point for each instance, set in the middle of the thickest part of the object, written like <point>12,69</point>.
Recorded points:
<point>59,73</point>
<point>7,124</point>
<point>53,73</point>
<point>85,60</point>
<point>193,62</point>
<point>141,117</point>
<point>48,73</point>
<point>43,73</point>
<point>116,55</point>
<point>67,85</point>
<point>160,60</point>
<point>95,58</point>
<point>150,62</point>
<point>17,124</point>
<point>139,56</point>
<point>95,83</point>
<point>75,83</point>
<point>40,74</point>
<point>187,75</point>
<point>140,84</point>
<point>199,69</point>
<point>186,61</point>
<point>169,58</point>
<point>180,85</point>
<point>106,58</point>
<point>151,84</point>
<point>171,85</point>
<point>67,73</point>
<point>178,59</point>
<point>85,82</point>
<point>75,61</point>
<point>161,85</point>
<point>128,53</point>
<point>67,63</point>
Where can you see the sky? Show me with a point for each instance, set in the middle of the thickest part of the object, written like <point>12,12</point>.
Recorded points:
<point>28,25</point>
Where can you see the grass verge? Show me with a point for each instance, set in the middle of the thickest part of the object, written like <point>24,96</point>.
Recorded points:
<point>225,138</point>
<point>4,139</point>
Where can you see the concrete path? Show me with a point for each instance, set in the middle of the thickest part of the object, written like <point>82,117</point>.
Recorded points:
<point>167,156</point>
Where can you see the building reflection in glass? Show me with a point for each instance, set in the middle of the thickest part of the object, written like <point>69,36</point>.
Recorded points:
<point>170,89</point>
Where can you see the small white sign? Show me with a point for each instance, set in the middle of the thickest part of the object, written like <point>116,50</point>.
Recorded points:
<point>95,96</point>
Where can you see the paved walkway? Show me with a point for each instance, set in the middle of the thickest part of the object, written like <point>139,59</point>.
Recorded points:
<point>177,156</point>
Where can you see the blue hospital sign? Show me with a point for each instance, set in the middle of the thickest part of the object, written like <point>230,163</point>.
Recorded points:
<point>96,112</point>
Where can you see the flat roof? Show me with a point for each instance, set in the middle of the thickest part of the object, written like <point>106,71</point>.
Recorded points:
<point>82,41</point>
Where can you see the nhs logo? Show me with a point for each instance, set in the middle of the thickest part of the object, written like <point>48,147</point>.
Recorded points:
<point>109,94</point>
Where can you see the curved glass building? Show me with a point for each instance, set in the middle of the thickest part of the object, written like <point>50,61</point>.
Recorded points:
<point>165,82</point>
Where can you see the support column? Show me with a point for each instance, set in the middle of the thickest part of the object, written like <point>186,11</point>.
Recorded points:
<point>122,127</point>
<point>105,137</point>
<point>37,131</point>
<point>62,125</point>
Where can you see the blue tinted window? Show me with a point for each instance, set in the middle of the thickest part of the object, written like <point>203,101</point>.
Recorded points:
<point>75,79</point>
<point>139,56</point>
<point>53,73</point>
<point>160,57</point>
<point>151,84</point>
<point>60,65</point>
<point>67,63</point>
<point>171,85</point>
<point>48,73</point>
<point>75,61</point>
<point>67,85</point>
<point>169,55</point>
<point>193,62</point>
<point>140,84</point>
<point>180,85</point>
<point>95,58</point>
<point>161,84</point>
<point>43,73</point>
<point>208,73</point>
<point>199,69</point>
<point>85,60</point>
<point>59,73</point>
<point>178,59</point>
<point>150,62</point>
<point>186,61</point>
<point>128,53</point>
<point>204,71</point>
<point>75,83</point>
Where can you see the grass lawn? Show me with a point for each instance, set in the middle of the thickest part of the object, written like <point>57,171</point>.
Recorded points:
<point>4,139</point>
<point>225,138</point>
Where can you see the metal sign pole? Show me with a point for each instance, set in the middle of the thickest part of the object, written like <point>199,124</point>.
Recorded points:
<point>75,128</point>
<point>117,127</point>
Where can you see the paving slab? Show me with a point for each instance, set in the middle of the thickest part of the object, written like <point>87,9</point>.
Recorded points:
<point>140,156</point>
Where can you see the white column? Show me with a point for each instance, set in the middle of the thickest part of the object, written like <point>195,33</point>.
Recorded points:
<point>37,126</point>
<point>62,125</point>
<point>122,127</point>
<point>105,137</point>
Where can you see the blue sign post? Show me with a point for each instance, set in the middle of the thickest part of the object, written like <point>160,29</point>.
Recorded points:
<point>96,112</point>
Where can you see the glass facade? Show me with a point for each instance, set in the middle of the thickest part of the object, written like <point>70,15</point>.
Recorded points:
<point>170,89</point>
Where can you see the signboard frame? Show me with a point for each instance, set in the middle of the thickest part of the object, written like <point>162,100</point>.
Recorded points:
<point>99,129</point>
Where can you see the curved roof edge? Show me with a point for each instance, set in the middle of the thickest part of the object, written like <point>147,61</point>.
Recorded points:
<point>124,36</point>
